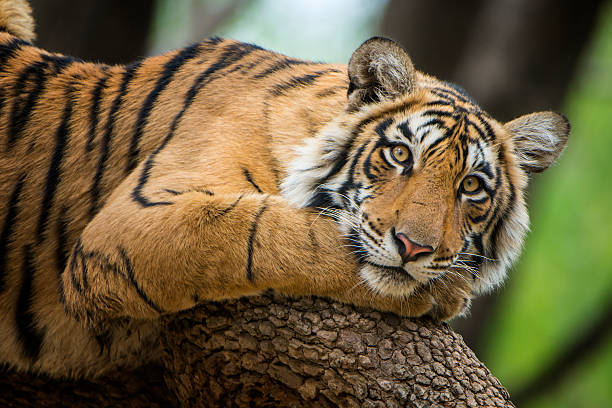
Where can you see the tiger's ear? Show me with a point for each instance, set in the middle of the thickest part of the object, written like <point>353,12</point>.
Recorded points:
<point>379,70</point>
<point>539,138</point>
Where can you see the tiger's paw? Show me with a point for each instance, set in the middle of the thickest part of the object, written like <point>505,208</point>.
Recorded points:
<point>440,299</point>
<point>448,296</point>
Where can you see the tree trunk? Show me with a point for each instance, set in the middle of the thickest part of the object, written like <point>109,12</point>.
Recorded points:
<point>274,352</point>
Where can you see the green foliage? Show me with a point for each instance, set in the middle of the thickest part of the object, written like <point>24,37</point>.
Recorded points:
<point>564,280</point>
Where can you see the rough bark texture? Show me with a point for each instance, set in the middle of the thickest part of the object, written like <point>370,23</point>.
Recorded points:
<point>270,352</point>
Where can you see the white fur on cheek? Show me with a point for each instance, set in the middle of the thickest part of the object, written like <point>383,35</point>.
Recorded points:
<point>313,161</point>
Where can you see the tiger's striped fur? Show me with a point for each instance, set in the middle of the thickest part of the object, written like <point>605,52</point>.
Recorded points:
<point>221,170</point>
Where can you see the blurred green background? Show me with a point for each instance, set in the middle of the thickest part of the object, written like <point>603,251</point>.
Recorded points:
<point>547,334</point>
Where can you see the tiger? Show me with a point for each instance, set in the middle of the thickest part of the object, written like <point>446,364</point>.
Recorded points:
<point>223,170</point>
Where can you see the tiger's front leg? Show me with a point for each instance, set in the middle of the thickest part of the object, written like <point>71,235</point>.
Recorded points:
<point>144,261</point>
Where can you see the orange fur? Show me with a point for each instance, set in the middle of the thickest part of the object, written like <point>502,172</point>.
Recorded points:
<point>132,192</point>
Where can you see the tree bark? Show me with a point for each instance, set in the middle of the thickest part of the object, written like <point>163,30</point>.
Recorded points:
<point>273,352</point>
<point>269,351</point>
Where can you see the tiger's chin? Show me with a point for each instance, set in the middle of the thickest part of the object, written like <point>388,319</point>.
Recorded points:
<point>391,280</point>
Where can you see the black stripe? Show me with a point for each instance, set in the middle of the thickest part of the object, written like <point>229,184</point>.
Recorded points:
<point>349,183</point>
<point>77,254</point>
<point>330,91</point>
<point>38,74</point>
<point>344,153</point>
<point>488,135</point>
<point>445,258</point>
<point>298,82</point>
<point>480,218</point>
<point>30,336</point>
<point>94,112</point>
<point>405,129</point>
<point>375,230</point>
<point>196,190</point>
<point>386,165</point>
<point>130,277</point>
<point>451,94</point>
<point>445,102</point>
<point>252,233</point>
<point>430,122</point>
<point>22,106</point>
<point>59,62</point>
<point>485,167</point>
<point>464,96</point>
<point>8,228</point>
<point>509,208</point>
<point>280,65</point>
<point>477,241</point>
<point>370,237</point>
<point>232,54</point>
<point>365,244</point>
<point>438,267</point>
<point>61,253</point>
<point>249,178</point>
<point>480,200</point>
<point>322,199</point>
<point>432,148</point>
<point>391,268</point>
<point>173,192</point>
<point>128,75</point>
<point>170,68</point>
<point>382,127</point>
<point>439,113</point>
<point>54,173</point>
<point>8,51</point>
<point>228,208</point>
<point>244,68</point>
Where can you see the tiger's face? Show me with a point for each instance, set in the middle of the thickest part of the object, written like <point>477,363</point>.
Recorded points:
<point>421,180</point>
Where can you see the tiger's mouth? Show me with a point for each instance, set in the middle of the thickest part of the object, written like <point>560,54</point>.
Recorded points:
<point>398,281</point>
<point>388,280</point>
<point>383,268</point>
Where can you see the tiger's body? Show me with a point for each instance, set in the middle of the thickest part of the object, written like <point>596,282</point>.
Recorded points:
<point>135,191</point>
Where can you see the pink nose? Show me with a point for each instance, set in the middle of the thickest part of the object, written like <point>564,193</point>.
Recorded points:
<point>408,249</point>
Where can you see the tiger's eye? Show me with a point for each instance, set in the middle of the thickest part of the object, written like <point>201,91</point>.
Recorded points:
<point>471,184</point>
<point>400,153</point>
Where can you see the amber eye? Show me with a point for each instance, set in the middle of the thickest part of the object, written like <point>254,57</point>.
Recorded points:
<point>400,153</point>
<point>471,185</point>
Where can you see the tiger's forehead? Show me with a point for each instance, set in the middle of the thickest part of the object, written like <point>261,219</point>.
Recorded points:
<point>448,109</point>
<point>442,125</point>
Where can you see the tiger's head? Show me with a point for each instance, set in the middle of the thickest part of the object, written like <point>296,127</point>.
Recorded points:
<point>421,180</point>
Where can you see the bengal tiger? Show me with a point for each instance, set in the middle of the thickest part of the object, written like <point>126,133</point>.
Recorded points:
<point>222,170</point>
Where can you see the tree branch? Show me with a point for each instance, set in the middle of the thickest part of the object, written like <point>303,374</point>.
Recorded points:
<point>273,352</point>
<point>268,351</point>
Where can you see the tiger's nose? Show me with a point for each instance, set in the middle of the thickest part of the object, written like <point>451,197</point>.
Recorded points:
<point>408,249</point>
